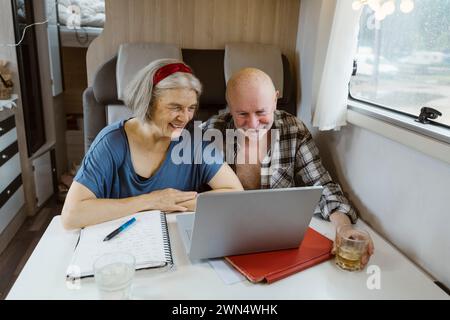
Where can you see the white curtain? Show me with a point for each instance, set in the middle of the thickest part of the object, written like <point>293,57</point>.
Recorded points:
<point>327,39</point>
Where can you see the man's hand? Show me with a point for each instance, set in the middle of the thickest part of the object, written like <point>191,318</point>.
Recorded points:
<point>340,219</point>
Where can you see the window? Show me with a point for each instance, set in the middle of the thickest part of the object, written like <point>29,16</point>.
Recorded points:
<point>403,61</point>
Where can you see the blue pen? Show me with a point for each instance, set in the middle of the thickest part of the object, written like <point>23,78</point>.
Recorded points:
<point>119,229</point>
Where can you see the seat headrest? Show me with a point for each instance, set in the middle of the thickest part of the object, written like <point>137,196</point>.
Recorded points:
<point>261,56</point>
<point>132,57</point>
<point>207,65</point>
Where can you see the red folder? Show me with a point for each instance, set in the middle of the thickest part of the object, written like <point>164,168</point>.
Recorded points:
<point>274,265</point>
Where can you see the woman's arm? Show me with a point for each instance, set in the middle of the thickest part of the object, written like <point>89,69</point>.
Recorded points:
<point>82,208</point>
<point>225,180</point>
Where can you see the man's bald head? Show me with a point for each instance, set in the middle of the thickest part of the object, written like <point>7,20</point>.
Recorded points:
<point>248,79</point>
<point>252,99</point>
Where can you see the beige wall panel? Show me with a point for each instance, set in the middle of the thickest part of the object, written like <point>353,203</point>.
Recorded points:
<point>200,24</point>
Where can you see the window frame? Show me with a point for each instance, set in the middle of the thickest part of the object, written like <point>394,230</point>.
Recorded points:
<point>433,141</point>
<point>399,120</point>
<point>395,111</point>
<point>434,130</point>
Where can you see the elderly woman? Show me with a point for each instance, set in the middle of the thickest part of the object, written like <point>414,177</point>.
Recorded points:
<point>129,167</point>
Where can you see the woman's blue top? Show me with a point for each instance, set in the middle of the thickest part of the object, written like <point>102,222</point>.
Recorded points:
<point>107,169</point>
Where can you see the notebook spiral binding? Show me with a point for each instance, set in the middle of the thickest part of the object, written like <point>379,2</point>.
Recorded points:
<point>166,239</point>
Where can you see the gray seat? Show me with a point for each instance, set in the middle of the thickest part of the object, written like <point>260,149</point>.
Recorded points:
<point>208,66</point>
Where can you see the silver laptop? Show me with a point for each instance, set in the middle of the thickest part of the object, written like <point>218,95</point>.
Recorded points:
<point>233,223</point>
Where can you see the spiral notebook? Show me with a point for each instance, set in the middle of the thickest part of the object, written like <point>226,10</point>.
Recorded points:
<point>147,239</point>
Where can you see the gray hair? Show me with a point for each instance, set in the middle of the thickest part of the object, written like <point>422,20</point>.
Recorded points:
<point>140,95</point>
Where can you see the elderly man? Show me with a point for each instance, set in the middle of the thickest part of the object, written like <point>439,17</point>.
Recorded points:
<point>284,151</point>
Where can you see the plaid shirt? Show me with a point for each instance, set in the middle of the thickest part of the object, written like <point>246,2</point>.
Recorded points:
<point>292,161</point>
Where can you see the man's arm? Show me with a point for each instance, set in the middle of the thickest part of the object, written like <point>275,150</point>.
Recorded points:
<point>310,170</point>
<point>339,218</point>
<point>333,205</point>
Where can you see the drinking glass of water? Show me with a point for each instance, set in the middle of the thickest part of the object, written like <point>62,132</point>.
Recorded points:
<point>114,274</point>
<point>351,244</point>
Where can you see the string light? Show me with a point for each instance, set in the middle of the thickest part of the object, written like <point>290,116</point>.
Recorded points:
<point>383,8</point>
<point>374,5</point>
<point>356,5</point>
<point>29,26</point>
<point>407,6</point>
<point>23,34</point>
<point>388,7</point>
<point>74,22</point>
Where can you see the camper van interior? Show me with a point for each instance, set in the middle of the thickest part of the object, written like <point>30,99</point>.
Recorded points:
<point>365,84</point>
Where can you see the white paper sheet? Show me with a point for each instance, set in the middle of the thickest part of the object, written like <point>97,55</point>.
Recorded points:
<point>225,271</point>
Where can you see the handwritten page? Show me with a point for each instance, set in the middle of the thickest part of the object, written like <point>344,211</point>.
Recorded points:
<point>143,239</point>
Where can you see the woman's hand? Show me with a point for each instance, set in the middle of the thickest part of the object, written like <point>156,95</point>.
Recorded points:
<point>169,200</point>
<point>190,205</point>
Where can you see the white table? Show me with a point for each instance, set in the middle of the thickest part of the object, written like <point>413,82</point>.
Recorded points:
<point>43,276</point>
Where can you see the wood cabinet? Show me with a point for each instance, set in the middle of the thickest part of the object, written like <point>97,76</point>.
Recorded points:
<point>12,198</point>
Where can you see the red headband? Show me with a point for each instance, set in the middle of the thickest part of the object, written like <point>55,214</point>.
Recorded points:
<point>169,69</point>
